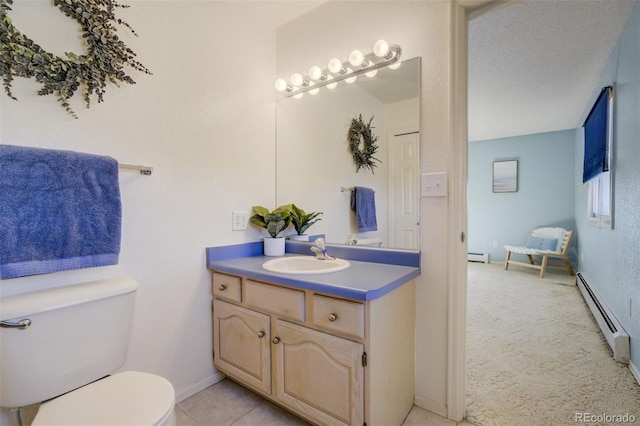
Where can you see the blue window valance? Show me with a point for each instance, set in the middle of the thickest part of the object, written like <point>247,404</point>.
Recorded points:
<point>595,137</point>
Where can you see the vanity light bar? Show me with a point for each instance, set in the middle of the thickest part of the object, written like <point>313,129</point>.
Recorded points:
<point>384,55</point>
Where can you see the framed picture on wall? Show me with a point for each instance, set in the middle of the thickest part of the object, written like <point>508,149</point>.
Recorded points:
<point>505,176</point>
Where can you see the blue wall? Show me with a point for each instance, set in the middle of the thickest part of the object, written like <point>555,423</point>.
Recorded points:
<point>545,195</point>
<point>611,258</point>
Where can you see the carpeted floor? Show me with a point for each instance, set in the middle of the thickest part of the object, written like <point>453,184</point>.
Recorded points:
<point>535,355</point>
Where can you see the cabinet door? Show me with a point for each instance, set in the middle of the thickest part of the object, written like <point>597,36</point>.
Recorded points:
<point>241,344</point>
<point>318,374</point>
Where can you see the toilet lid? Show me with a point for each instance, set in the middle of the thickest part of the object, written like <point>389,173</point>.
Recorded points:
<point>128,398</point>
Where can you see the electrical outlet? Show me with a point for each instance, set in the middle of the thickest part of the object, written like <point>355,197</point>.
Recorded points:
<point>495,243</point>
<point>239,221</point>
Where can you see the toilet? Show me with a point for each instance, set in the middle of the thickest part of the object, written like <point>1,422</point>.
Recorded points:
<point>63,346</point>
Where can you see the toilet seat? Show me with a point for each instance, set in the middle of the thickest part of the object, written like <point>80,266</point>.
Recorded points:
<point>128,398</point>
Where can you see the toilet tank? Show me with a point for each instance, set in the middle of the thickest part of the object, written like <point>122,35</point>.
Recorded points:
<point>78,334</point>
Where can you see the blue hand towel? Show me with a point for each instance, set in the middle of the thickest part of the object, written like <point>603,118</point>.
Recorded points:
<point>59,210</point>
<point>363,203</point>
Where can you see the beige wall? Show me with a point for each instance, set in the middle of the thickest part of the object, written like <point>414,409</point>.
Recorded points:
<point>422,29</point>
<point>205,122</point>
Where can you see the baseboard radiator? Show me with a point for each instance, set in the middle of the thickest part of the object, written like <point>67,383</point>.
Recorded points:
<point>616,337</point>
<point>478,257</point>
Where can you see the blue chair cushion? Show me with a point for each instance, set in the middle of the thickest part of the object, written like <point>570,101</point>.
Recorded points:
<point>542,243</point>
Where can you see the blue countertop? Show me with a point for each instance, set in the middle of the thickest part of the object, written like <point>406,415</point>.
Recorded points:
<point>363,280</point>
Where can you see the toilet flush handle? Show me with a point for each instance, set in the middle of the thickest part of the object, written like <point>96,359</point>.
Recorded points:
<point>20,325</point>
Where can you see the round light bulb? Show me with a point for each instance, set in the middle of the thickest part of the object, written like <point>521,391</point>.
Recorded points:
<point>395,65</point>
<point>331,85</point>
<point>315,73</point>
<point>298,96</point>
<point>296,79</point>
<point>281,85</point>
<point>313,91</point>
<point>371,73</point>
<point>335,65</point>
<point>356,58</point>
<point>381,48</point>
<point>350,79</point>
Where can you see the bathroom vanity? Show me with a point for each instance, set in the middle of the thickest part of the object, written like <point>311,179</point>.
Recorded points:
<point>328,352</point>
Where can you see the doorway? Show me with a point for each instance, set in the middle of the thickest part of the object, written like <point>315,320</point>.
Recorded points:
<point>462,13</point>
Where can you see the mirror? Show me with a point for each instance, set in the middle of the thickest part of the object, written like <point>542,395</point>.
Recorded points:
<point>315,169</point>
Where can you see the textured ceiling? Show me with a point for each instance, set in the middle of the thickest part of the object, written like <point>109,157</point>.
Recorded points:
<point>534,65</point>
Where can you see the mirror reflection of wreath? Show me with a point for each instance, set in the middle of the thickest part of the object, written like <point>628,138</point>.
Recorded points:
<point>104,61</point>
<point>362,144</point>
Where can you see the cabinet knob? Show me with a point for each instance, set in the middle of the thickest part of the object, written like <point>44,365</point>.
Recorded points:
<point>222,287</point>
<point>333,317</point>
<point>260,334</point>
<point>275,340</point>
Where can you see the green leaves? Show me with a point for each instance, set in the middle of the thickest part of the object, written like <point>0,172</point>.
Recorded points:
<point>104,61</point>
<point>301,220</point>
<point>274,222</point>
<point>278,220</point>
<point>276,225</point>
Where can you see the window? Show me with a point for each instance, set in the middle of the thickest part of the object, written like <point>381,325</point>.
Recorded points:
<point>598,149</point>
<point>600,200</point>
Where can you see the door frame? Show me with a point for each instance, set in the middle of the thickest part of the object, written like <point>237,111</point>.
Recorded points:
<point>462,11</point>
<point>458,170</point>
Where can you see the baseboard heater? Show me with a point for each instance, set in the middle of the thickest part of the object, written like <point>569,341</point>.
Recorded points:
<point>478,257</point>
<point>616,337</point>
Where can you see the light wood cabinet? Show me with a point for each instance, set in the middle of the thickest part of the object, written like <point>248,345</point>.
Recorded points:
<point>227,287</point>
<point>330,360</point>
<point>318,375</point>
<point>242,344</point>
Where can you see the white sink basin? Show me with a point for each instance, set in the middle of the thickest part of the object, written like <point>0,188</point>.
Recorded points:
<point>305,265</point>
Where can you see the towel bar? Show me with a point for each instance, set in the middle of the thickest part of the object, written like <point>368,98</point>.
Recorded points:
<point>144,170</point>
<point>342,189</point>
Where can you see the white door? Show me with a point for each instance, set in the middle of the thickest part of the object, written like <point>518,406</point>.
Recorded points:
<point>403,190</point>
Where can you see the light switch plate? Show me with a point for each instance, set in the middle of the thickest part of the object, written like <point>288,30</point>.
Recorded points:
<point>433,184</point>
<point>239,221</point>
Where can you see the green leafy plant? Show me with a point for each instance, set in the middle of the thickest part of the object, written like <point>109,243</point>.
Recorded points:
<point>273,221</point>
<point>302,220</point>
<point>105,59</point>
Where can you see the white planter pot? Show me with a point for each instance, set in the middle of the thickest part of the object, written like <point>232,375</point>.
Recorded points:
<point>296,237</point>
<point>274,246</point>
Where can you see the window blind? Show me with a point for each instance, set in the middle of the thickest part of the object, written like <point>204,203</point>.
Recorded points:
<point>595,138</point>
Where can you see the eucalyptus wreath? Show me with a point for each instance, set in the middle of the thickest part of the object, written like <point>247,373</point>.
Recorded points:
<point>104,61</point>
<point>362,144</point>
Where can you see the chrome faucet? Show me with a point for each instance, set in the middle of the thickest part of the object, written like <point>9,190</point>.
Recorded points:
<point>320,250</point>
<point>350,240</point>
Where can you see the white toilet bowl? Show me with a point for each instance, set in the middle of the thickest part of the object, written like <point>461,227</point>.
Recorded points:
<point>129,398</point>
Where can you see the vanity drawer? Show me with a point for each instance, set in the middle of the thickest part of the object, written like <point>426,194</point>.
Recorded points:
<point>286,302</point>
<point>227,287</point>
<point>338,315</point>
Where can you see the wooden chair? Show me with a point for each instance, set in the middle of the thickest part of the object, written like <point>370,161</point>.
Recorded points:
<point>546,243</point>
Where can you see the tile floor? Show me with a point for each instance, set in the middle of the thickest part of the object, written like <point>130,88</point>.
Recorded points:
<point>227,403</point>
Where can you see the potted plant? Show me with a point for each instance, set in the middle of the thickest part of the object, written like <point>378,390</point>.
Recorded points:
<point>302,221</point>
<point>274,222</point>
